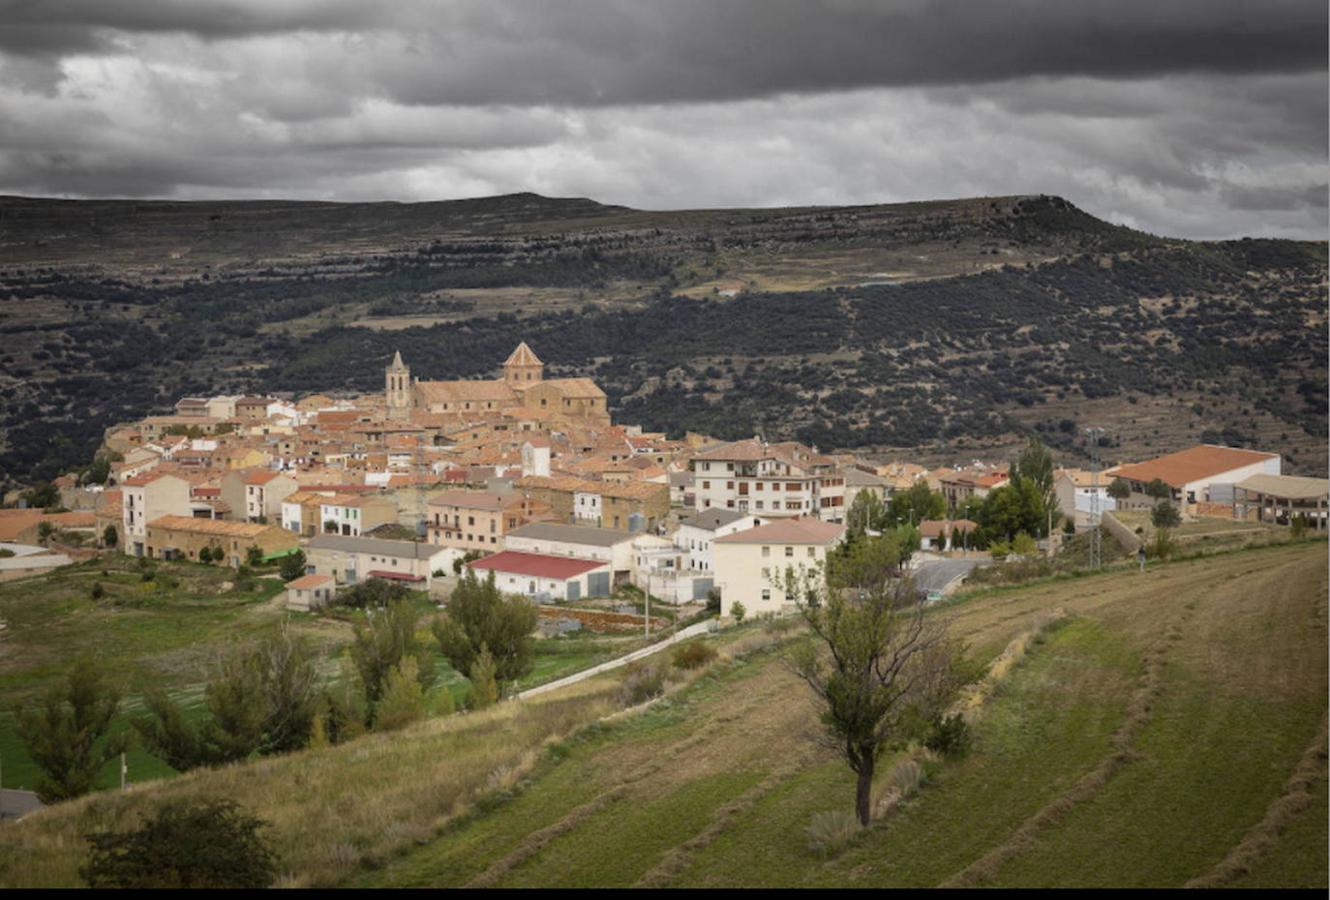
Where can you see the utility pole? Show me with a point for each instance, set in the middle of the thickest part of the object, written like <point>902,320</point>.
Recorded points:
<point>124,771</point>
<point>646,619</point>
<point>1096,531</point>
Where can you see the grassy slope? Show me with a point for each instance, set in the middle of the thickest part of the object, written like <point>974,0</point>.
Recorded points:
<point>717,784</point>
<point>151,635</point>
<point>1241,692</point>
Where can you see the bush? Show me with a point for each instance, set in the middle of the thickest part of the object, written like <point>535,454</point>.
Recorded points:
<point>949,736</point>
<point>693,655</point>
<point>484,687</point>
<point>906,778</point>
<point>403,700</point>
<point>643,682</point>
<point>98,592</point>
<point>738,611</point>
<point>188,844</point>
<point>832,831</point>
<point>713,601</point>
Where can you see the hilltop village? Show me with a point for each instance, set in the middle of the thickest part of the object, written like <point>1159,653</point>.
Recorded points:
<point>529,478</point>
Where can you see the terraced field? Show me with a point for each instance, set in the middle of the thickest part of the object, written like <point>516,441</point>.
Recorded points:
<point>1170,731</point>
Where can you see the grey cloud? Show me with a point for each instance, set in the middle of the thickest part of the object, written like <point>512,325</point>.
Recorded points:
<point>585,52</point>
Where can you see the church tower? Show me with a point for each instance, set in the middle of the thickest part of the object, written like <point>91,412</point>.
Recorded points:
<point>523,370</point>
<point>398,388</point>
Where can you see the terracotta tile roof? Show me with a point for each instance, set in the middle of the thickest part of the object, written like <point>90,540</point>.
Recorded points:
<point>471,500</point>
<point>739,451</point>
<point>537,564</point>
<point>1192,464</point>
<point>306,582</point>
<point>575,387</point>
<point>220,527</point>
<point>931,528</point>
<point>461,391</point>
<point>522,356</point>
<point>787,531</point>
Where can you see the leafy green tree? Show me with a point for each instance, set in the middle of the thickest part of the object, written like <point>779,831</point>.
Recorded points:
<point>403,700</point>
<point>1035,466</point>
<point>916,504</point>
<point>186,844</point>
<point>1011,509</point>
<point>1158,489</point>
<point>380,645</point>
<point>68,733</point>
<point>484,684</point>
<point>1165,515</point>
<point>480,615</point>
<point>110,536</point>
<point>262,701</point>
<point>44,532</point>
<point>292,566</point>
<point>866,512</point>
<point>738,611</point>
<point>1119,489</point>
<point>468,556</point>
<point>1024,545</point>
<point>870,564</point>
<point>253,555</point>
<point>876,663</point>
<point>372,593</point>
<point>44,495</point>
<point>98,472</point>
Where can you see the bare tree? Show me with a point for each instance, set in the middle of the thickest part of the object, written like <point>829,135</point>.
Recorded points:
<point>878,663</point>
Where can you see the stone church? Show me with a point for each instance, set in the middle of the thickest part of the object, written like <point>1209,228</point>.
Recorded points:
<point>523,385</point>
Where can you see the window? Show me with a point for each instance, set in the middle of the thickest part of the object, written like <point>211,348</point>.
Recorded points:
<point>766,593</point>
<point>766,551</point>
<point>789,551</point>
<point>812,551</point>
<point>706,485</point>
<point>766,573</point>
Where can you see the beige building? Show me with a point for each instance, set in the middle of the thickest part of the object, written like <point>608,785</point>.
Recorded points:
<point>255,494</point>
<point>748,563</point>
<point>352,515</point>
<point>523,385</point>
<point>479,520</point>
<point>640,505</point>
<point>182,537</point>
<point>145,498</point>
<point>350,560</point>
<point>310,592</point>
<point>773,480</point>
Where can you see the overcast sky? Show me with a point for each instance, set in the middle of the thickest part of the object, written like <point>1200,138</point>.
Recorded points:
<point>1196,118</point>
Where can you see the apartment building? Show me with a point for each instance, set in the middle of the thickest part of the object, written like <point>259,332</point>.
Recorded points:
<point>775,480</point>
<point>479,520</point>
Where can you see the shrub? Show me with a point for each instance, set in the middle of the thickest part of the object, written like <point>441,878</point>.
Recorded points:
<point>187,844</point>
<point>950,736</point>
<point>98,592</point>
<point>713,601</point>
<point>693,655</point>
<point>832,831</point>
<point>906,777</point>
<point>643,682</point>
<point>1298,527</point>
<point>484,687</point>
<point>403,700</point>
<point>737,610</point>
<point>292,566</point>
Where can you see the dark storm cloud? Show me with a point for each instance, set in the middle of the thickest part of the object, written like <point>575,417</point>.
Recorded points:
<point>1202,118</point>
<point>583,52</point>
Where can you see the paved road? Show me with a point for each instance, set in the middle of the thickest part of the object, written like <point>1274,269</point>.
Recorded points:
<point>937,574</point>
<point>690,631</point>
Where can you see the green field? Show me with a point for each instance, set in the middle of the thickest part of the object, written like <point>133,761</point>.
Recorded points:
<point>166,633</point>
<point>1143,742</point>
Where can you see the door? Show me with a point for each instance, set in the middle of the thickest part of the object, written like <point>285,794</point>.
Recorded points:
<point>574,590</point>
<point>701,587</point>
<point>598,584</point>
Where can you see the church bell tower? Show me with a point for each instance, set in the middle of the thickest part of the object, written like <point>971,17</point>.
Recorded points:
<point>398,388</point>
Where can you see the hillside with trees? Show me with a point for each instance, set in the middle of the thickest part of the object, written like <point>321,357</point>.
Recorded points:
<point>935,329</point>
